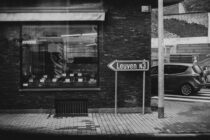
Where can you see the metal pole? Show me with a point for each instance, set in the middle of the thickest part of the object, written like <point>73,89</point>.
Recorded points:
<point>209,27</point>
<point>115,92</point>
<point>160,60</point>
<point>143,104</point>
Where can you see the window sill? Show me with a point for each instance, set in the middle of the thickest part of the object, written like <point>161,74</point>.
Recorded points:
<point>61,89</point>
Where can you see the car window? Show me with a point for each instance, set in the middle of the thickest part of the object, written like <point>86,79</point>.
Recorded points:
<point>197,69</point>
<point>154,70</point>
<point>172,69</point>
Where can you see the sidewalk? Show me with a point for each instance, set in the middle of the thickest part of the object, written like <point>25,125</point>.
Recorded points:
<point>180,119</point>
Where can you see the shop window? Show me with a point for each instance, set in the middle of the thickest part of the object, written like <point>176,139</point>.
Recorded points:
<point>59,56</point>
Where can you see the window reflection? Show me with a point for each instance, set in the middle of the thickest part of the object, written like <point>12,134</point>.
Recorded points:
<point>59,56</point>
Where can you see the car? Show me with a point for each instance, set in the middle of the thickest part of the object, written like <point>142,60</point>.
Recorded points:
<point>182,78</point>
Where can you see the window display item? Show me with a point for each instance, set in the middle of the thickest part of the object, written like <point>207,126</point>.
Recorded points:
<point>31,80</point>
<point>57,76</point>
<point>25,84</point>
<point>67,80</point>
<point>54,80</point>
<point>92,81</point>
<point>42,80</point>
<point>79,74</point>
<point>80,80</point>
<point>64,74</point>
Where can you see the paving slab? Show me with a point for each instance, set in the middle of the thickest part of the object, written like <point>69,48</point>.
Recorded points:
<point>179,119</point>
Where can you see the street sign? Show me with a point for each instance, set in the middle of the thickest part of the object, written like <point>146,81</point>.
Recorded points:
<point>129,65</point>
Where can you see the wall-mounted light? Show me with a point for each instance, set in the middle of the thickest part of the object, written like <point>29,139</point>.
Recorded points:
<point>145,8</point>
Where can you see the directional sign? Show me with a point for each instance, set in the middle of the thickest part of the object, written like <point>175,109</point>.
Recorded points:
<point>129,65</point>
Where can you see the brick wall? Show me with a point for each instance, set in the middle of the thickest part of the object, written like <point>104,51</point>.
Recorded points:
<point>125,34</point>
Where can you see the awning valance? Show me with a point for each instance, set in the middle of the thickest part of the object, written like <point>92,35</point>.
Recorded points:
<point>71,16</point>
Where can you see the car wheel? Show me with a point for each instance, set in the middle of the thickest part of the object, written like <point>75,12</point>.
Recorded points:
<point>186,89</point>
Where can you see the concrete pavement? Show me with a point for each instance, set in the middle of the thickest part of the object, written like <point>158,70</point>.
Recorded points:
<point>181,119</point>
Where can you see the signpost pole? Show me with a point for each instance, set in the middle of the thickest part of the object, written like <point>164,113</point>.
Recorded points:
<point>160,61</point>
<point>143,104</point>
<point>115,92</point>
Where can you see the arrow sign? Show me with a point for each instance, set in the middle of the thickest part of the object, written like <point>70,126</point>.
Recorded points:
<point>129,65</point>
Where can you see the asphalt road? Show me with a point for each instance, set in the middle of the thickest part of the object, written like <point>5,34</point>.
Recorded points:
<point>203,96</point>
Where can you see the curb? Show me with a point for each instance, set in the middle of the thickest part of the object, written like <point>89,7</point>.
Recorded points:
<point>182,134</point>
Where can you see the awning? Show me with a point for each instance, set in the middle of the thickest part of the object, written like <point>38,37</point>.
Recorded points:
<point>71,16</point>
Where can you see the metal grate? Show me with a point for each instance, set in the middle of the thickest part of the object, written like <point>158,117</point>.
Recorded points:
<point>71,107</point>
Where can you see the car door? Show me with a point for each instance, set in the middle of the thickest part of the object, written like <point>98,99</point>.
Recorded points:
<point>174,77</point>
<point>154,79</point>
<point>169,78</point>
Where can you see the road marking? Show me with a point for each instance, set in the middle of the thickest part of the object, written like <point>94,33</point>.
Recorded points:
<point>191,97</point>
<point>183,99</point>
<point>199,98</point>
<point>205,90</point>
<point>203,94</point>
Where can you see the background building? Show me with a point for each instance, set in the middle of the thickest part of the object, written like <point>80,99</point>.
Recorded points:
<point>186,32</point>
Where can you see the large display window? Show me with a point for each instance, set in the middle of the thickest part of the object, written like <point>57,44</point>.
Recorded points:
<point>59,55</point>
